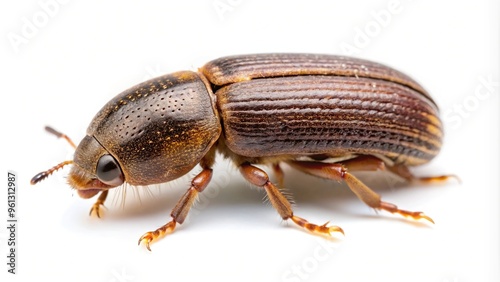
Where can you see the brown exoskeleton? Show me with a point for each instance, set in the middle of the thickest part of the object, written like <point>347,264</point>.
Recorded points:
<point>299,109</point>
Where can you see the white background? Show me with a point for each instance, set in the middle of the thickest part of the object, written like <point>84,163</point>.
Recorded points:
<point>79,54</point>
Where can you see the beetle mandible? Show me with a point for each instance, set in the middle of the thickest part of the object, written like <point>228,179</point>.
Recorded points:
<point>324,115</point>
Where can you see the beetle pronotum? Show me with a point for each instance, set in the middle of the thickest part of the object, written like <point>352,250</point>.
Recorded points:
<point>300,109</point>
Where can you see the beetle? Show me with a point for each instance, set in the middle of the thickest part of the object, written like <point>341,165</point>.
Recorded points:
<point>325,115</point>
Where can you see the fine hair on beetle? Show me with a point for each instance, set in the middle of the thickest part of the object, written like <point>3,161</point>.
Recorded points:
<point>325,115</point>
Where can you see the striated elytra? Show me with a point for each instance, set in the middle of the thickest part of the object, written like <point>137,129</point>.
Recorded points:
<point>322,114</point>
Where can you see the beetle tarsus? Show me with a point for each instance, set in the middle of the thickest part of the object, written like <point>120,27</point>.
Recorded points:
<point>151,236</point>
<point>96,207</point>
<point>317,229</point>
<point>438,179</point>
<point>408,214</point>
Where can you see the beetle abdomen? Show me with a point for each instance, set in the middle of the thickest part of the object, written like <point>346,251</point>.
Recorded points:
<point>333,115</point>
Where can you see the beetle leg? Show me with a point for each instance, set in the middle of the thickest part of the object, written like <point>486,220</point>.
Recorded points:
<point>181,209</point>
<point>96,207</point>
<point>364,163</point>
<point>371,163</point>
<point>279,174</point>
<point>405,173</point>
<point>336,171</point>
<point>259,178</point>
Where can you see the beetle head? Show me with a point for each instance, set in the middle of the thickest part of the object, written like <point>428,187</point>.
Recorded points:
<point>94,169</point>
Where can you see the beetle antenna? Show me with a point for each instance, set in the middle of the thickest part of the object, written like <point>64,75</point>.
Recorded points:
<point>44,174</point>
<point>60,135</point>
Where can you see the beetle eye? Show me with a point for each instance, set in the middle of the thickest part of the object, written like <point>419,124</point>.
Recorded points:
<point>108,171</point>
